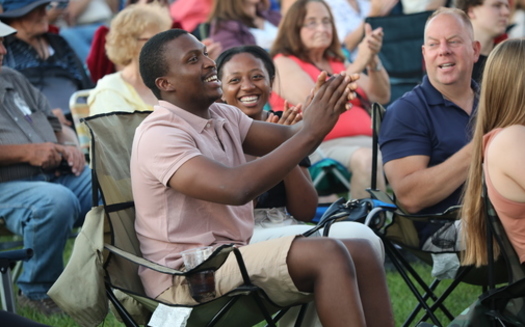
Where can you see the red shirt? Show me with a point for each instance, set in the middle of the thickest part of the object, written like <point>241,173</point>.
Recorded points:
<point>354,122</point>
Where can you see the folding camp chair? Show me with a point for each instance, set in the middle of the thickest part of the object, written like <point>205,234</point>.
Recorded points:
<point>399,232</point>
<point>329,176</point>
<point>401,51</point>
<point>8,260</point>
<point>11,259</point>
<point>80,109</point>
<point>116,252</point>
<point>505,305</point>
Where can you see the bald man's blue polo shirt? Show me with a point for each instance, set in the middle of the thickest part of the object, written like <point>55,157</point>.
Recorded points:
<point>422,122</point>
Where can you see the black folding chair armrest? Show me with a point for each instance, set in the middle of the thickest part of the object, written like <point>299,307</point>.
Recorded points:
<point>216,259</point>
<point>8,259</point>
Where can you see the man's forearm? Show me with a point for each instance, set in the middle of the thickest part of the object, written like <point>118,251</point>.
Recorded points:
<point>13,154</point>
<point>379,85</point>
<point>67,136</point>
<point>427,187</point>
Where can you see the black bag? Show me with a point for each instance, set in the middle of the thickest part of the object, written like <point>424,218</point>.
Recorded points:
<point>342,210</point>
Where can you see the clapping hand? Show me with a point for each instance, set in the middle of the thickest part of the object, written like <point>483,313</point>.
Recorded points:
<point>290,116</point>
<point>371,43</point>
<point>321,79</point>
<point>330,99</point>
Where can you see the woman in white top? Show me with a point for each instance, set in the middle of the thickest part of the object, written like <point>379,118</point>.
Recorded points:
<point>125,90</point>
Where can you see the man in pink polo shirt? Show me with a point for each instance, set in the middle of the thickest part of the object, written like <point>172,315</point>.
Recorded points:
<point>192,187</point>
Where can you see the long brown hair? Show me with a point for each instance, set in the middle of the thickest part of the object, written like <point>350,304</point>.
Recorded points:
<point>224,10</point>
<point>288,41</point>
<point>502,104</point>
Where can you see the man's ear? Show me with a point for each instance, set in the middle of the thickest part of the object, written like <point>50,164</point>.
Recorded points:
<point>164,84</point>
<point>477,50</point>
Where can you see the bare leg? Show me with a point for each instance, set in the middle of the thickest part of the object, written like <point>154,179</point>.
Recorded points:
<point>324,266</point>
<point>346,294</point>
<point>361,167</point>
<point>372,283</point>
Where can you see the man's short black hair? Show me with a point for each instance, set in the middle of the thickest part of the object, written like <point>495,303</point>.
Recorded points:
<point>152,62</point>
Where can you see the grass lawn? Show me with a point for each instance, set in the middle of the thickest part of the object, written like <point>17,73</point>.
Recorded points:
<point>402,300</point>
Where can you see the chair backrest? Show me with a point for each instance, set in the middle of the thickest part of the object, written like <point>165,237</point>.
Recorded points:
<point>401,51</point>
<point>507,302</point>
<point>80,109</point>
<point>111,140</point>
<point>514,268</point>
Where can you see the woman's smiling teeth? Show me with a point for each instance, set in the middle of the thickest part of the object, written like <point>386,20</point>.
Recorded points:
<point>249,99</point>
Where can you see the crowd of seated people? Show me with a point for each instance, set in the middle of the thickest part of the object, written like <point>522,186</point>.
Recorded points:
<point>45,58</point>
<point>204,145</point>
<point>304,39</point>
<point>307,44</point>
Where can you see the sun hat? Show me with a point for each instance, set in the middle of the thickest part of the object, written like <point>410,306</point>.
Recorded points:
<point>19,8</point>
<point>6,30</point>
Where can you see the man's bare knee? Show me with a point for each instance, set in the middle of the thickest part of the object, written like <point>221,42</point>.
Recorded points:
<point>309,259</point>
<point>361,250</point>
<point>319,248</point>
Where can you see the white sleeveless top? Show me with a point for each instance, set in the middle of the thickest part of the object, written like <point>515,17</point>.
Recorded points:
<point>265,37</point>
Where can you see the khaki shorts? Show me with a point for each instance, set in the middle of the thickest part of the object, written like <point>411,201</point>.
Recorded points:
<point>342,149</point>
<point>266,266</point>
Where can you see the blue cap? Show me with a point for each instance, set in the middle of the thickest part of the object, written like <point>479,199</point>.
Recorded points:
<point>19,8</point>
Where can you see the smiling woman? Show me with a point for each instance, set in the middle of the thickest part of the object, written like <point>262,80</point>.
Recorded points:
<point>247,74</point>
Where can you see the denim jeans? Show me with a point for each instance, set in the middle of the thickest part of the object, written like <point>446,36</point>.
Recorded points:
<point>44,209</point>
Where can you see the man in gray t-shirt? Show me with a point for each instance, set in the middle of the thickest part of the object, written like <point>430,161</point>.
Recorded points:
<point>45,189</point>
